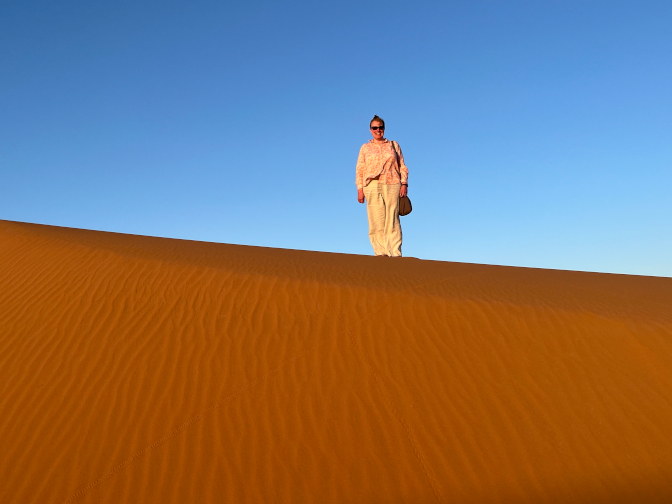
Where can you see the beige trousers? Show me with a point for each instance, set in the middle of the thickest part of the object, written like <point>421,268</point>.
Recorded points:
<point>382,207</point>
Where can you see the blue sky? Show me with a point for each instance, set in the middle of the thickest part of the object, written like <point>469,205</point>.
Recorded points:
<point>537,134</point>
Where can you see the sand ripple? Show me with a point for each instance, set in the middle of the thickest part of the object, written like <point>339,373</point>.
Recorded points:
<point>139,369</point>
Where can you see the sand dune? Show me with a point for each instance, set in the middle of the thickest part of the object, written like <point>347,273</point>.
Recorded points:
<point>138,369</point>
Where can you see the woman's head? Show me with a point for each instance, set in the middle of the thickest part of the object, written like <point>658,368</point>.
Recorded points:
<point>377,126</point>
<point>377,119</point>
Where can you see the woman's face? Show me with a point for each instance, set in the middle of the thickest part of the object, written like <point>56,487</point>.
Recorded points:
<point>378,134</point>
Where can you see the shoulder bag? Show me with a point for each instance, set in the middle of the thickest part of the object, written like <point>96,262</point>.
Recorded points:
<point>405,206</point>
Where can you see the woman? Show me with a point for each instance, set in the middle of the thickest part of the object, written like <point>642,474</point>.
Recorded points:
<point>382,178</point>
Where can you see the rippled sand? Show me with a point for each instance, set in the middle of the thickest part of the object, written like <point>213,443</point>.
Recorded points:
<point>138,369</point>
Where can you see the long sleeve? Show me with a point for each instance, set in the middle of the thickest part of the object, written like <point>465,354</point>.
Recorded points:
<point>361,164</point>
<point>403,169</point>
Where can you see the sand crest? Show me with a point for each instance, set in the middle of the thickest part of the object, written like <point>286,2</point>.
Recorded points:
<point>138,369</point>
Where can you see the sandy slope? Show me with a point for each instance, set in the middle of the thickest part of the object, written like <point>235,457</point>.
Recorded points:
<point>136,369</point>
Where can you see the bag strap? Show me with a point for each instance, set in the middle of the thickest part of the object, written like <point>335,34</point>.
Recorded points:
<point>395,146</point>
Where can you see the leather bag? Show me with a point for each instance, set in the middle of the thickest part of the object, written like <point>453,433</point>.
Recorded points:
<point>405,206</point>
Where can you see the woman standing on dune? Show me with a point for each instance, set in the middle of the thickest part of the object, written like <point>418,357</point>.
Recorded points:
<point>382,178</point>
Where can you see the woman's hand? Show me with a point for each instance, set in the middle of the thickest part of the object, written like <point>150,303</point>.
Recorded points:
<point>360,195</point>
<point>403,191</point>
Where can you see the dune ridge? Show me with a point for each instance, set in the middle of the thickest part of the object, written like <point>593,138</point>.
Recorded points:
<point>140,369</point>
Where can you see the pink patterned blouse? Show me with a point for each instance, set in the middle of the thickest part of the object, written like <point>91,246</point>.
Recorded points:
<point>379,160</point>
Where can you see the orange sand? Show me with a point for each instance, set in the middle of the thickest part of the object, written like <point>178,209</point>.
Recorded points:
<point>137,369</point>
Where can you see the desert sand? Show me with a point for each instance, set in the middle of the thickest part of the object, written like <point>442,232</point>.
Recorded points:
<point>138,369</point>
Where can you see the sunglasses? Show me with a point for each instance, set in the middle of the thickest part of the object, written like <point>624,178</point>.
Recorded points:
<point>376,128</point>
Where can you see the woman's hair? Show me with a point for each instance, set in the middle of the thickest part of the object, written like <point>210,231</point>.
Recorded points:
<point>376,118</point>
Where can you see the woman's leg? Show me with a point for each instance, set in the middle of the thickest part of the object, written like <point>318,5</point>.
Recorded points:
<point>392,231</point>
<point>375,209</point>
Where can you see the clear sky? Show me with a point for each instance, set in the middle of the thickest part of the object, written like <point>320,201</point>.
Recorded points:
<point>537,133</point>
